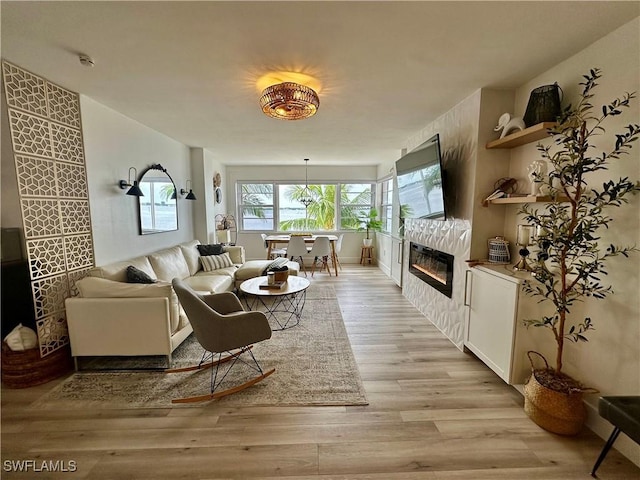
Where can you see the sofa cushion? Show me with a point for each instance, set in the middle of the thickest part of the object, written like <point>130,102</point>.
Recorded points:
<point>236,252</point>
<point>169,264</point>
<point>191,255</point>
<point>135,275</point>
<point>215,262</point>
<point>211,249</point>
<point>208,283</point>
<point>94,287</point>
<point>118,271</point>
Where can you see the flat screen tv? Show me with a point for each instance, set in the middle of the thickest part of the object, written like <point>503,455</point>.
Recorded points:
<point>420,181</point>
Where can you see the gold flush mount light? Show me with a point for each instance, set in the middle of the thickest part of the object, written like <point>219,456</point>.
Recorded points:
<point>289,101</point>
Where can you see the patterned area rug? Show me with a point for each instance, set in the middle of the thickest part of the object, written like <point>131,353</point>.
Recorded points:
<point>314,366</point>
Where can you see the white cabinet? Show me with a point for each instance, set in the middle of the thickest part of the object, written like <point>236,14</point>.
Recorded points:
<point>397,258</point>
<point>491,324</point>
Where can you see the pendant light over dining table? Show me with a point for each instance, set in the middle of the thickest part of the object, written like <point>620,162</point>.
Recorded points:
<point>289,101</point>
<point>306,198</point>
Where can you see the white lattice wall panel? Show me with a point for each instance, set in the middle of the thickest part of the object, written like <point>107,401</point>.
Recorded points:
<point>52,333</point>
<point>46,257</point>
<point>49,294</point>
<point>64,106</point>
<point>30,134</point>
<point>75,216</point>
<point>36,176</point>
<point>78,251</point>
<point>73,278</point>
<point>71,180</point>
<point>46,134</point>
<point>40,217</point>
<point>67,144</point>
<point>24,90</point>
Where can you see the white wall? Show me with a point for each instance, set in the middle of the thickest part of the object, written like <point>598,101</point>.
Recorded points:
<point>610,361</point>
<point>458,130</point>
<point>113,143</point>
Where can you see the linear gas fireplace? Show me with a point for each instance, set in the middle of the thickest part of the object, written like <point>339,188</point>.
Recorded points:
<point>432,266</point>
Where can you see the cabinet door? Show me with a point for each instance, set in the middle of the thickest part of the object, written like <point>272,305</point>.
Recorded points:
<point>491,323</point>
<point>396,260</point>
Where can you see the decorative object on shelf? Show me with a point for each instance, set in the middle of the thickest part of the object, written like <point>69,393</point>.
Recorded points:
<point>570,263</point>
<point>502,188</point>
<point>544,105</point>
<point>188,192</point>
<point>135,189</point>
<point>218,194</point>
<point>523,240</point>
<point>369,223</point>
<point>226,225</point>
<point>509,124</point>
<point>289,101</point>
<point>536,171</point>
<point>499,251</point>
<point>217,180</point>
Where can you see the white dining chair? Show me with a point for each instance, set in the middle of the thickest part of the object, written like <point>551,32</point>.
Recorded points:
<point>321,250</point>
<point>297,249</point>
<point>275,252</point>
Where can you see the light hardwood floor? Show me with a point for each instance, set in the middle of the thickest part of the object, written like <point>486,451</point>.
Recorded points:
<point>434,413</point>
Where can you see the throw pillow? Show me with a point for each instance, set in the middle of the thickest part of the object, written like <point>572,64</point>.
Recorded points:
<point>135,275</point>
<point>211,249</point>
<point>216,262</point>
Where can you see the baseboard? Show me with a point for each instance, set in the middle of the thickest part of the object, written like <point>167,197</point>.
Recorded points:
<point>602,428</point>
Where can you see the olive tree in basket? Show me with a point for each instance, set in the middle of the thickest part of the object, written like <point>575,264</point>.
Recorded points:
<point>571,262</point>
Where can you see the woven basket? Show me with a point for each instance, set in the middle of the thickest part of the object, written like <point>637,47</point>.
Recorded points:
<point>556,412</point>
<point>281,276</point>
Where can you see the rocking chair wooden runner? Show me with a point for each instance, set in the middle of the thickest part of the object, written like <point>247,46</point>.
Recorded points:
<point>221,326</point>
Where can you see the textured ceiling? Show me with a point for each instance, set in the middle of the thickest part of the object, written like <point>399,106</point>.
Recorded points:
<point>384,70</point>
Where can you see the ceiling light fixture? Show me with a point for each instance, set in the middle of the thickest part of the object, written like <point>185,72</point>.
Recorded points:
<point>306,198</point>
<point>289,101</point>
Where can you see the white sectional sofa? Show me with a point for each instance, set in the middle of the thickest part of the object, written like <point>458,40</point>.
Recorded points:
<point>111,317</point>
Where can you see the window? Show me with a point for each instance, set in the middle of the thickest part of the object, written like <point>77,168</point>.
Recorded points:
<point>386,204</point>
<point>256,206</point>
<point>277,206</point>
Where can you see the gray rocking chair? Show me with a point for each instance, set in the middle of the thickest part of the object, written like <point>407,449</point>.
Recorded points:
<point>221,326</point>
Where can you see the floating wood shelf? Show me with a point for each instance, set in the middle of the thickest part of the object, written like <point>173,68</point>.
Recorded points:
<point>528,135</point>
<point>528,199</point>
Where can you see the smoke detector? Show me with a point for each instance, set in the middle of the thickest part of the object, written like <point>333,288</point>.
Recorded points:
<point>86,60</point>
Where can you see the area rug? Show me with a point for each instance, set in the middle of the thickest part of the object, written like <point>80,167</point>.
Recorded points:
<point>314,366</point>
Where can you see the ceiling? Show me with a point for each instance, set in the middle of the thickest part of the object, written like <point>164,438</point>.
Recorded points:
<point>383,70</point>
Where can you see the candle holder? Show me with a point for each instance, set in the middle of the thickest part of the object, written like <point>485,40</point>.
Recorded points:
<point>525,233</point>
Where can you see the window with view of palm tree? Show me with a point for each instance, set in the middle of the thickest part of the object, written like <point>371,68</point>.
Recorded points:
<point>334,206</point>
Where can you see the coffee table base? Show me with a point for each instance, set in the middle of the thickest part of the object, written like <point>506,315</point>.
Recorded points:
<point>288,307</point>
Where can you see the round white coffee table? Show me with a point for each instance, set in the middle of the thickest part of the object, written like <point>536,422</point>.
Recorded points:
<point>283,305</point>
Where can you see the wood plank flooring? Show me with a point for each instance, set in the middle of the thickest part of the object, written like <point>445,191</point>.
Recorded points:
<point>434,413</point>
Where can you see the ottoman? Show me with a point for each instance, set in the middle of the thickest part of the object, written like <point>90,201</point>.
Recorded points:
<point>255,268</point>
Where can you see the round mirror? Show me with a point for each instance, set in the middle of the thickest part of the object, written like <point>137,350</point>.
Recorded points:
<point>158,206</point>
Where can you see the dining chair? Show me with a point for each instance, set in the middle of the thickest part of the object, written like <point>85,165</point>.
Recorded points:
<point>296,249</point>
<point>321,250</point>
<point>275,252</point>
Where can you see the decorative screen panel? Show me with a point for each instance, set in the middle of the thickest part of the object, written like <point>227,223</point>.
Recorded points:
<point>46,134</point>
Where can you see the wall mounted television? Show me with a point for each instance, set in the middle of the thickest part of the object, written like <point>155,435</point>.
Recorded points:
<point>420,179</point>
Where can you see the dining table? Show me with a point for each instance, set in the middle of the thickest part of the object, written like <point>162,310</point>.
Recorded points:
<point>273,240</point>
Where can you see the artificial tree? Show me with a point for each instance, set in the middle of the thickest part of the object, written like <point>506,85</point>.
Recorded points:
<point>570,260</point>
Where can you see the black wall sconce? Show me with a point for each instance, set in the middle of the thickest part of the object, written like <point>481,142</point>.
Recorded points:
<point>190,195</point>
<point>135,189</point>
